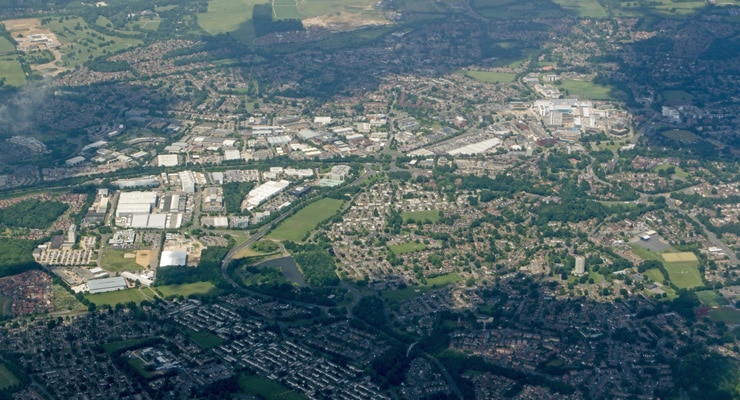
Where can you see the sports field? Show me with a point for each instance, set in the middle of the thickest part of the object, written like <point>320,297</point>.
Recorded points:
<point>188,289</point>
<point>585,89</point>
<point>11,71</point>
<point>710,298</point>
<point>409,247</point>
<point>491,77</point>
<point>420,216</point>
<point>7,379</point>
<point>266,389</point>
<point>297,227</point>
<point>120,260</point>
<point>682,269</point>
<point>226,15</point>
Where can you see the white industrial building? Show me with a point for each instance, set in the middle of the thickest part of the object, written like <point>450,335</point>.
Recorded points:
<point>170,258</point>
<point>264,192</point>
<point>106,285</point>
<point>135,203</point>
<point>168,160</point>
<point>149,181</point>
<point>475,148</point>
<point>231,155</point>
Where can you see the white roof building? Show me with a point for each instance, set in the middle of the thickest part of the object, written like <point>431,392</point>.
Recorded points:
<point>106,285</point>
<point>171,258</point>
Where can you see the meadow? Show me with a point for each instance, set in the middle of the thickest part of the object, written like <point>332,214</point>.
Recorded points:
<point>11,72</point>
<point>730,315</point>
<point>226,15</point>
<point>684,274</point>
<point>6,46</point>
<point>297,227</point>
<point>188,289</point>
<point>584,8</point>
<point>204,339</point>
<point>120,297</point>
<point>404,248</point>
<point>710,298</point>
<point>680,135</point>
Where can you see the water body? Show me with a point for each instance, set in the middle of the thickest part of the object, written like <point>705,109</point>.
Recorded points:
<point>289,268</point>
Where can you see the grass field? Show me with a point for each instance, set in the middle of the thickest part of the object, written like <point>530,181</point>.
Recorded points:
<point>684,274</point>
<point>188,289</point>
<point>585,89</point>
<point>81,43</point>
<point>63,300</point>
<point>506,9</point>
<point>11,72</point>
<point>409,247</point>
<point>399,296</point>
<point>266,389</point>
<point>680,135</point>
<point>226,15</point>
<point>420,216</point>
<point>5,305</point>
<point>7,379</point>
<point>122,344</point>
<point>680,173</point>
<point>584,8</point>
<point>296,227</point>
<point>491,77</point>
<point>730,315</point>
<point>710,298</point>
<point>679,257</point>
<point>6,46</point>
<point>677,95</point>
<point>655,275</point>
<point>118,297</point>
<point>114,261</point>
<point>204,339</point>
<point>645,253</point>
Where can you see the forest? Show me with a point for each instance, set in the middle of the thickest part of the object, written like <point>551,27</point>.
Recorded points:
<point>32,213</point>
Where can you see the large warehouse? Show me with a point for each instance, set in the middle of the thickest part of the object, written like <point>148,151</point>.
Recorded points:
<point>106,285</point>
<point>173,258</point>
<point>131,203</point>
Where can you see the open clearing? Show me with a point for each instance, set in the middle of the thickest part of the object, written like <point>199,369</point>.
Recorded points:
<point>684,274</point>
<point>491,77</point>
<point>267,389</point>
<point>119,297</point>
<point>730,315</point>
<point>204,339</point>
<point>710,298</point>
<point>297,227</point>
<point>6,46</point>
<point>5,305</point>
<point>144,258</point>
<point>584,8</point>
<point>226,15</point>
<point>680,135</point>
<point>7,379</point>
<point>409,247</point>
<point>11,71</point>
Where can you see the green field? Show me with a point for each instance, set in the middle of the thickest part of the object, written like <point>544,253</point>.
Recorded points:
<point>510,9</point>
<point>584,8</point>
<point>226,15</point>
<point>399,296</point>
<point>585,89</point>
<point>680,135</point>
<point>491,77</point>
<point>645,253</point>
<point>11,72</point>
<point>118,297</point>
<point>204,339</point>
<point>730,315</point>
<point>655,275</point>
<point>297,227</point>
<point>409,247</point>
<point>112,347</point>
<point>6,46</point>
<point>680,173</point>
<point>684,274</point>
<point>710,298</point>
<point>81,43</point>
<point>114,261</point>
<point>677,95</point>
<point>420,216</point>
<point>5,305</point>
<point>7,379</point>
<point>267,389</point>
<point>63,300</point>
<point>188,289</point>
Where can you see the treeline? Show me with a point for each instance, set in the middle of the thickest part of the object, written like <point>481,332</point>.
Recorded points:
<point>234,193</point>
<point>264,23</point>
<point>316,263</point>
<point>32,213</point>
<point>208,269</point>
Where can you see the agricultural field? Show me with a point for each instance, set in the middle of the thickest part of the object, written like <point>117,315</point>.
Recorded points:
<point>7,379</point>
<point>115,261</point>
<point>585,89</point>
<point>584,8</point>
<point>204,339</point>
<point>491,77</point>
<point>226,15</point>
<point>266,389</point>
<point>509,9</point>
<point>298,226</point>
<point>404,248</point>
<point>188,289</point>
<point>683,269</point>
<point>420,216</point>
<point>119,297</point>
<point>11,72</point>
<point>680,135</point>
<point>285,9</point>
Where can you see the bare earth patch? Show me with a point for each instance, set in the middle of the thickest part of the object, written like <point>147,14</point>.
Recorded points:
<point>344,22</point>
<point>144,258</point>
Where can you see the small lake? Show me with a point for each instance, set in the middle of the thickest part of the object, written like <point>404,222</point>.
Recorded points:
<point>289,268</point>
